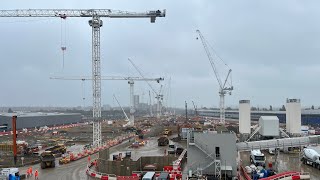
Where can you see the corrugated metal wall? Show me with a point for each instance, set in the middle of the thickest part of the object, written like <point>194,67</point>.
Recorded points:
<point>38,121</point>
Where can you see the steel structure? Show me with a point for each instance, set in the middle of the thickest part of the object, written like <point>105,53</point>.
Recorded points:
<point>130,82</point>
<point>96,23</point>
<point>279,143</point>
<point>223,89</point>
<point>159,95</point>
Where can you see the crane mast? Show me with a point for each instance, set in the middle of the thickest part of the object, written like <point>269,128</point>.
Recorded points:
<point>159,96</point>
<point>96,23</point>
<point>223,90</point>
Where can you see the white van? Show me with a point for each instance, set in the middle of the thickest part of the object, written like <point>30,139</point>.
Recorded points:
<point>257,157</point>
<point>149,176</point>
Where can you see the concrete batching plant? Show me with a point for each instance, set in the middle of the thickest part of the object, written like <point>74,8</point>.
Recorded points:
<point>293,117</point>
<point>244,119</point>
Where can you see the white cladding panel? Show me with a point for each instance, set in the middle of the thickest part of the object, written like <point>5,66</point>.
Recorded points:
<point>293,116</point>
<point>244,117</point>
<point>269,126</point>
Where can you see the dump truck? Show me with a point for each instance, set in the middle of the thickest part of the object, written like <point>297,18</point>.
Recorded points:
<point>57,149</point>
<point>47,160</point>
<point>163,141</point>
<point>311,157</point>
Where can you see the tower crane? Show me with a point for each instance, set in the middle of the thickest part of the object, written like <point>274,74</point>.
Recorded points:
<point>130,82</point>
<point>195,109</point>
<point>223,90</point>
<point>158,96</point>
<point>96,23</point>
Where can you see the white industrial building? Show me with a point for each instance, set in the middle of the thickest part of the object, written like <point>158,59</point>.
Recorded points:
<point>244,119</point>
<point>269,126</point>
<point>293,117</point>
<point>212,154</point>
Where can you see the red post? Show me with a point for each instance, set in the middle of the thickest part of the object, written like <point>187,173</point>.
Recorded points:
<point>14,143</point>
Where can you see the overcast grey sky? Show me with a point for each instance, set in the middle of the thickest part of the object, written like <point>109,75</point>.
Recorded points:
<point>272,47</point>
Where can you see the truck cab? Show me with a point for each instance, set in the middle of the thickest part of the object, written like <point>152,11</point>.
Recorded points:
<point>5,172</point>
<point>257,157</point>
<point>171,148</point>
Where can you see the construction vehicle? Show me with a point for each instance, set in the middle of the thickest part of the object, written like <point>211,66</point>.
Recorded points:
<point>311,157</point>
<point>257,157</point>
<point>57,149</point>
<point>171,148</point>
<point>163,141</point>
<point>167,132</point>
<point>64,160</point>
<point>6,172</point>
<point>139,133</point>
<point>47,160</point>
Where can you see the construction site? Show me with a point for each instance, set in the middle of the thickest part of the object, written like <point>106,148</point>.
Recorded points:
<point>152,139</point>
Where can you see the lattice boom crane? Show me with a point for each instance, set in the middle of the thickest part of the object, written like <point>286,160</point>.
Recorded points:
<point>95,23</point>
<point>223,90</point>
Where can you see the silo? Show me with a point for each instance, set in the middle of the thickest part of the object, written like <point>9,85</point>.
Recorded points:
<point>244,119</point>
<point>293,116</point>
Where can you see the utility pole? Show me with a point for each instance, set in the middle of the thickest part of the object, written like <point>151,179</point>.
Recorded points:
<point>14,138</point>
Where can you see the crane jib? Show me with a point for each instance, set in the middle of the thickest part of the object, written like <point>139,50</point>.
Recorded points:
<point>80,13</point>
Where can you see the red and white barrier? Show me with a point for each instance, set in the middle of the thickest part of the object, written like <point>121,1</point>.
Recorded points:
<point>98,175</point>
<point>292,175</point>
